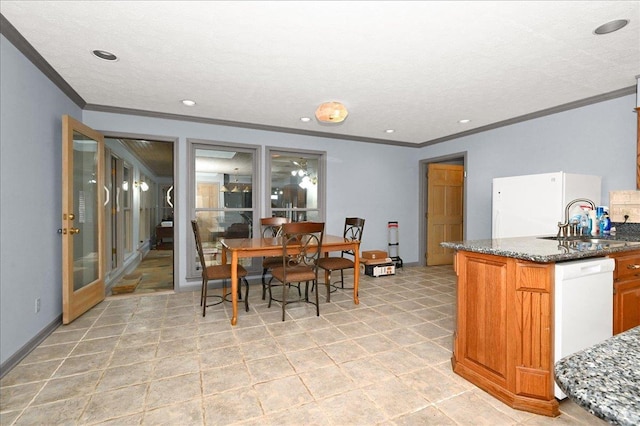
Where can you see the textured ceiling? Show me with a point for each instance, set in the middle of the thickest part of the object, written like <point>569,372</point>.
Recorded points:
<point>417,67</point>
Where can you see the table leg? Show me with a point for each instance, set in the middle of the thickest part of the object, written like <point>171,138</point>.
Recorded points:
<point>356,272</point>
<point>234,287</point>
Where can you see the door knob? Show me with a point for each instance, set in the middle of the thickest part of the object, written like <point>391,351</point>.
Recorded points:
<point>74,231</point>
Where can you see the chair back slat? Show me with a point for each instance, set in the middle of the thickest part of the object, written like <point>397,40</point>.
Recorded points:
<point>272,226</point>
<point>199,249</point>
<point>302,243</point>
<point>353,228</point>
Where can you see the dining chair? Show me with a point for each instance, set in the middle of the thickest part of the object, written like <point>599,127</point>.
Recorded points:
<point>353,228</point>
<point>301,250</point>
<point>271,228</point>
<point>217,272</point>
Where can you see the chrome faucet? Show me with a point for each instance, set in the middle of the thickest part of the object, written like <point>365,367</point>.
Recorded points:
<point>563,226</point>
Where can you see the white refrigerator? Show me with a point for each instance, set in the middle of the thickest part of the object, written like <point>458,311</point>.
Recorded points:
<point>532,205</point>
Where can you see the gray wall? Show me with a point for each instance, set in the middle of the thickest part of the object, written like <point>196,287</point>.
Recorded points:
<point>30,207</point>
<point>598,139</point>
<point>377,182</point>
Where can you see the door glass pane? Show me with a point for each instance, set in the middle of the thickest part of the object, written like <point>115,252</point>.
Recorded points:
<point>85,242</point>
<point>125,206</point>
<point>294,186</point>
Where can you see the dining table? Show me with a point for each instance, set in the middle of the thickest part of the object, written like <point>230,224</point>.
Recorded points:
<point>234,249</point>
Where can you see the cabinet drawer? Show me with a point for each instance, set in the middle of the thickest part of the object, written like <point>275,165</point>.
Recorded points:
<point>627,266</point>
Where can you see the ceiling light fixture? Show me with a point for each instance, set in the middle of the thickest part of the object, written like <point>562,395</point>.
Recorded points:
<point>611,26</point>
<point>104,55</point>
<point>464,121</point>
<point>305,119</point>
<point>331,112</point>
<point>389,131</point>
<point>188,102</point>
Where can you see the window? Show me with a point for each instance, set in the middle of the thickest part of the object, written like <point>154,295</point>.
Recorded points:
<point>296,185</point>
<point>223,198</point>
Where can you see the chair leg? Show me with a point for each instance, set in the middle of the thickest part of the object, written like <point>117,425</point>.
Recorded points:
<point>270,295</point>
<point>246,294</point>
<point>264,283</point>
<point>342,278</point>
<point>318,304</point>
<point>205,284</point>
<point>285,294</point>
<point>202,292</point>
<point>327,281</point>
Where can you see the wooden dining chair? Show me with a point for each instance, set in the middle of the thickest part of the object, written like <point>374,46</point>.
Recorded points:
<point>271,228</point>
<point>301,250</point>
<point>353,228</point>
<point>217,272</point>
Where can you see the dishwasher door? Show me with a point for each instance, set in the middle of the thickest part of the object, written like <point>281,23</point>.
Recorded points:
<point>583,306</point>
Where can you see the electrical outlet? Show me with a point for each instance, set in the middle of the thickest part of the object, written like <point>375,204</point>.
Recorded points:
<point>37,305</point>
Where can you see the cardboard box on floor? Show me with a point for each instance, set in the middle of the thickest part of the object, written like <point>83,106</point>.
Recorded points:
<point>374,254</point>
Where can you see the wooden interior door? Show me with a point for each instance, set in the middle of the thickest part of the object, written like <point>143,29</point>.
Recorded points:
<point>444,210</point>
<point>83,249</point>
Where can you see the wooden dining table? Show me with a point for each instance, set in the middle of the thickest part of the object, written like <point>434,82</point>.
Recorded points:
<point>258,247</point>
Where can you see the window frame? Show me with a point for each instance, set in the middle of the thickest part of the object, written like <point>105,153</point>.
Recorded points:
<point>321,178</point>
<point>194,144</point>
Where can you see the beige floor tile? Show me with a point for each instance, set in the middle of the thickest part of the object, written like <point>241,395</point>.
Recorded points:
<point>27,373</point>
<point>427,416</point>
<point>56,413</point>
<point>260,349</point>
<point>184,347</point>
<point>395,397</point>
<point>271,368</point>
<point>429,352</point>
<point>351,408</point>
<point>83,363</point>
<point>17,397</point>
<point>127,375</point>
<point>295,342</point>
<point>327,381</point>
<point>106,344</point>
<point>236,406</point>
<point>217,380</point>
<point>173,389</point>
<point>184,413</point>
<point>326,335</point>
<point>68,387</point>
<point>434,385</point>
<point>282,394</point>
<point>114,404</point>
<point>309,359</point>
<point>49,353</point>
<point>345,351</point>
<point>366,371</point>
<point>220,357</point>
<point>468,408</point>
<point>176,365</point>
<point>133,355</point>
<point>376,343</point>
<point>308,414</point>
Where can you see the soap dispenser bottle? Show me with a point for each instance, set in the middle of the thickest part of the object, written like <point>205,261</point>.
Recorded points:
<point>593,222</point>
<point>584,222</point>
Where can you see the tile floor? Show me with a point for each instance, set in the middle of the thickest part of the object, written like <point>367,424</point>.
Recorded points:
<point>155,360</point>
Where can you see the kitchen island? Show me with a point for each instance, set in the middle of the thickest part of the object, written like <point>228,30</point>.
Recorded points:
<point>504,337</point>
<point>605,378</point>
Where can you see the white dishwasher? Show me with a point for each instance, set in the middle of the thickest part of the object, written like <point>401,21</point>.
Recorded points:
<point>583,306</point>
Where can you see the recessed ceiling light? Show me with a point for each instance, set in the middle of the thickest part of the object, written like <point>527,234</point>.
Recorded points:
<point>103,54</point>
<point>188,102</point>
<point>389,131</point>
<point>464,121</point>
<point>305,119</point>
<point>612,26</point>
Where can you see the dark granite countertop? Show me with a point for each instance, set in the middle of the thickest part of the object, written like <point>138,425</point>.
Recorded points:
<point>537,249</point>
<point>605,378</point>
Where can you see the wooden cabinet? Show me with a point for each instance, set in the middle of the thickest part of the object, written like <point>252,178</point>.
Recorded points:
<point>626,291</point>
<point>503,339</point>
